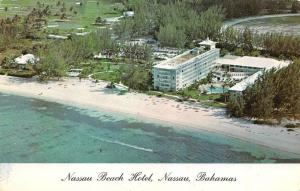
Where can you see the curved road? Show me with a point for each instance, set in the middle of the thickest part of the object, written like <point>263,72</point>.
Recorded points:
<point>233,22</point>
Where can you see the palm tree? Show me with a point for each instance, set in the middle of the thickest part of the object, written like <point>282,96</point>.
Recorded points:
<point>99,20</point>
<point>58,3</point>
<point>225,84</point>
<point>223,87</point>
<point>211,88</point>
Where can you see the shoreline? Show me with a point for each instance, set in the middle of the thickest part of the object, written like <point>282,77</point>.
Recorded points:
<point>86,94</point>
<point>232,22</point>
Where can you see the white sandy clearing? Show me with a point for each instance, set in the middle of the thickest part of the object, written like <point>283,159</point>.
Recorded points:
<point>89,94</point>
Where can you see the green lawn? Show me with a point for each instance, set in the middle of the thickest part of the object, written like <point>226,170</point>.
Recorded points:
<point>102,70</point>
<point>204,99</point>
<point>86,14</point>
<point>195,94</point>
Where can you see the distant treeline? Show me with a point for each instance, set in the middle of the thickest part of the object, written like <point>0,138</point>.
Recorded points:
<point>233,8</point>
<point>274,95</point>
<point>247,42</point>
<point>178,23</point>
<point>244,8</point>
<point>15,28</point>
<point>173,24</point>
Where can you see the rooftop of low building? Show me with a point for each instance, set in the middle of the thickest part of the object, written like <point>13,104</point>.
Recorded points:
<point>256,62</point>
<point>241,86</point>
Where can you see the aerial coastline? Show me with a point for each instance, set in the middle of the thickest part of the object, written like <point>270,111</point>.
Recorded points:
<point>88,94</point>
<point>170,81</point>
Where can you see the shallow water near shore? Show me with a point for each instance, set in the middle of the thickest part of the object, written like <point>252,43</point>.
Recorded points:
<point>33,130</point>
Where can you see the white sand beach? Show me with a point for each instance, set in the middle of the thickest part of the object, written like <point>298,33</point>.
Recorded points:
<point>186,115</point>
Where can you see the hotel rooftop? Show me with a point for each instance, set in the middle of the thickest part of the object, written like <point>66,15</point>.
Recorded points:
<point>190,55</point>
<point>255,62</point>
<point>241,86</point>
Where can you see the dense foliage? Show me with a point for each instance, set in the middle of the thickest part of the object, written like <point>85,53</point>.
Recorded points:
<point>55,61</point>
<point>242,8</point>
<point>173,24</point>
<point>233,8</point>
<point>137,78</point>
<point>247,42</point>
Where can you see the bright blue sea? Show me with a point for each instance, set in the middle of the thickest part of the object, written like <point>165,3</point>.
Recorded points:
<point>37,131</point>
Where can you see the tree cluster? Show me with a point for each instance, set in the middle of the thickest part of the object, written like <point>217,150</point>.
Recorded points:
<point>233,8</point>
<point>242,8</point>
<point>9,31</point>
<point>174,24</point>
<point>137,78</point>
<point>72,52</point>
<point>247,42</point>
<point>137,52</point>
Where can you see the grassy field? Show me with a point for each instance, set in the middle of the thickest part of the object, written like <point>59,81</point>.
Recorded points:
<point>209,100</point>
<point>102,70</point>
<point>79,16</point>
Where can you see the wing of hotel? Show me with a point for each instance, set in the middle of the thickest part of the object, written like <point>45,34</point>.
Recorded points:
<point>187,68</point>
<point>244,70</point>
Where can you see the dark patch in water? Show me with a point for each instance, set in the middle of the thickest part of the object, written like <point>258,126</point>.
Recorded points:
<point>57,136</point>
<point>24,155</point>
<point>287,160</point>
<point>31,145</point>
<point>90,152</point>
<point>34,134</point>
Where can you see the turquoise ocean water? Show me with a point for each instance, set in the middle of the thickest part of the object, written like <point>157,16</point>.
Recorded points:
<point>32,130</point>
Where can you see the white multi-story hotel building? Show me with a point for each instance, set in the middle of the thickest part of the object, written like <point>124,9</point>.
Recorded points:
<point>187,68</point>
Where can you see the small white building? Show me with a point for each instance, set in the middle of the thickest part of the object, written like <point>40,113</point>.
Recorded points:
<point>112,20</point>
<point>82,33</point>
<point>58,37</point>
<point>185,69</point>
<point>128,13</point>
<point>74,72</point>
<point>133,42</point>
<point>23,60</point>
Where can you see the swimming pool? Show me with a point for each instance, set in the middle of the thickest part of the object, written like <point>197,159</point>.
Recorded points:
<point>216,90</point>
